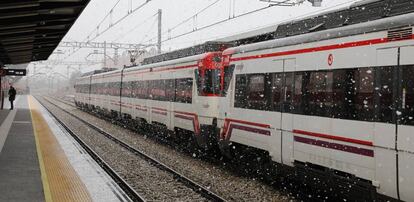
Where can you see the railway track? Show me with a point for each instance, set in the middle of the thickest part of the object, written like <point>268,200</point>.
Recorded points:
<point>125,186</point>
<point>191,184</point>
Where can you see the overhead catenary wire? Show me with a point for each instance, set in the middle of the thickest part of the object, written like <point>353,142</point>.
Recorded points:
<point>255,28</point>
<point>135,27</point>
<point>113,25</point>
<point>193,17</point>
<point>216,23</point>
<point>145,34</point>
<point>103,20</point>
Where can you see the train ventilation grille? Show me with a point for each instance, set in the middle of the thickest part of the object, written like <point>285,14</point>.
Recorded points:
<point>401,34</point>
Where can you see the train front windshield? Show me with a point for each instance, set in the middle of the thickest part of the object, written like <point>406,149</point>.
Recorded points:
<point>209,82</point>
<point>213,77</point>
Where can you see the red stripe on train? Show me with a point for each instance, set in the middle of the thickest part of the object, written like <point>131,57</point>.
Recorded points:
<point>229,126</point>
<point>159,109</point>
<point>148,70</point>
<point>194,118</point>
<point>318,49</point>
<point>335,146</point>
<point>331,137</point>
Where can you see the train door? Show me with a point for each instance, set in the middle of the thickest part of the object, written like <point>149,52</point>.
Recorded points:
<point>394,137</point>
<point>405,123</point>
<point>289,66</point>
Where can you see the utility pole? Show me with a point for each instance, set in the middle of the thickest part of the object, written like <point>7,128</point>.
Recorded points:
<point>1,93</point>
<point>159,30</point>
<point>116,56</point>
<point>104,67</point>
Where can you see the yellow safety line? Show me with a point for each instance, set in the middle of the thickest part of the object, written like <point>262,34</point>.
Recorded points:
<point>60,180</point>
<point>45,181</point>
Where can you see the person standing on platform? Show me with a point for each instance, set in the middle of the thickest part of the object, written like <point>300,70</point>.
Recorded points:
<point>12,96</point>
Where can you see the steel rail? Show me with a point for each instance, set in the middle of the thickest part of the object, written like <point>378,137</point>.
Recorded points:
<point>132,194</point>
<point>196,187</point>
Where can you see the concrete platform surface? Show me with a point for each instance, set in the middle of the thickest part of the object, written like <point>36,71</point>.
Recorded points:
<point>39,161</point>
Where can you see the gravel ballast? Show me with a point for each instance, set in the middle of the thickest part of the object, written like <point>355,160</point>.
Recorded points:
<point>221,181</point>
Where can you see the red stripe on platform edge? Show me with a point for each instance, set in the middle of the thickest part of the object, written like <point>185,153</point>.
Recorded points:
<point>331,137</point>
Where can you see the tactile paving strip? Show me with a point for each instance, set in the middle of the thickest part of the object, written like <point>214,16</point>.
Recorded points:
<point>60,180</point>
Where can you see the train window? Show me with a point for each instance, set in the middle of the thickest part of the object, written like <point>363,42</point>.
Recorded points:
<point>407,95</point>
<point>92,88</point>
<point>116,88</point>
<point>317,96</point>
<point>228,74</point>
<point>134,89</point>
<point>95,88</point>
<point>240,97</point>
<point>126,89</point>
<point>208,82</point>
<point>157,90</point>
<point>342,89</point>
<point>277,91</point>
<point>384,94</point>
<point>288,92</point>
<point>184,90</point>
<point>110,87</point>
<point>353,94</point>
<point>364,99</point>
<point>256,92</point>
<point>170,90</point>
<point>297,103</point>
<point>107,87</point>
<point>142,90</point>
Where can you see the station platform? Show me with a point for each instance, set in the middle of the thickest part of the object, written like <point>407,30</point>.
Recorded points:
<point>39,161</point>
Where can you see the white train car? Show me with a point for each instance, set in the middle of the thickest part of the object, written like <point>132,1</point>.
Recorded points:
<point>106,92</point>
<point>179,93</point>
<point>333,93</point>
<point>340,99</point>
<point>82,91</point>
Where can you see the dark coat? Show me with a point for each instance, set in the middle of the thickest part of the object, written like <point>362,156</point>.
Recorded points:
<point>12,94</point>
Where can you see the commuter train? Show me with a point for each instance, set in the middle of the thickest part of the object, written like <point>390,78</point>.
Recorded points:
<point>333,94</point>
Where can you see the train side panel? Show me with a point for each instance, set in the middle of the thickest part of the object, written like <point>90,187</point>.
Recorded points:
<point>362,141</point>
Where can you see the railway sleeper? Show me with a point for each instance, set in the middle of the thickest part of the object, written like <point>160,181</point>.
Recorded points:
<point>248,161</point>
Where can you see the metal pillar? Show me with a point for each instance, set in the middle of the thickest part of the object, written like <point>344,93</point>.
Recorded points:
<point>116,57</point>
<point>159,30</point>
<point>104,67</point>
<point>1,94</point>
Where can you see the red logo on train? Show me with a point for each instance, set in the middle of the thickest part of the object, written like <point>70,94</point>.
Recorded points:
<point>330,59</point>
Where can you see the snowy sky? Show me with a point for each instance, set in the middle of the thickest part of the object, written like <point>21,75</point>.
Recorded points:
<point>141,26</point>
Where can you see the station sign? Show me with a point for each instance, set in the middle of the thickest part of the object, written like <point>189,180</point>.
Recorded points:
<point>13,72</point>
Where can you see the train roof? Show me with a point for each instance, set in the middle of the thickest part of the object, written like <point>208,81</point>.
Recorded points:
<point>210,46</point>
<point>99,71</point>
<point>378,25</point>
<point>359,12</point>
<point>169,62</point>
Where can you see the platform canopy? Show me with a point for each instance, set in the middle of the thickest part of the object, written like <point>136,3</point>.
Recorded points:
<point>31,29</point>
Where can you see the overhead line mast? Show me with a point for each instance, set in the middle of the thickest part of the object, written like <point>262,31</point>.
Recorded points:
<point>159,30</point>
